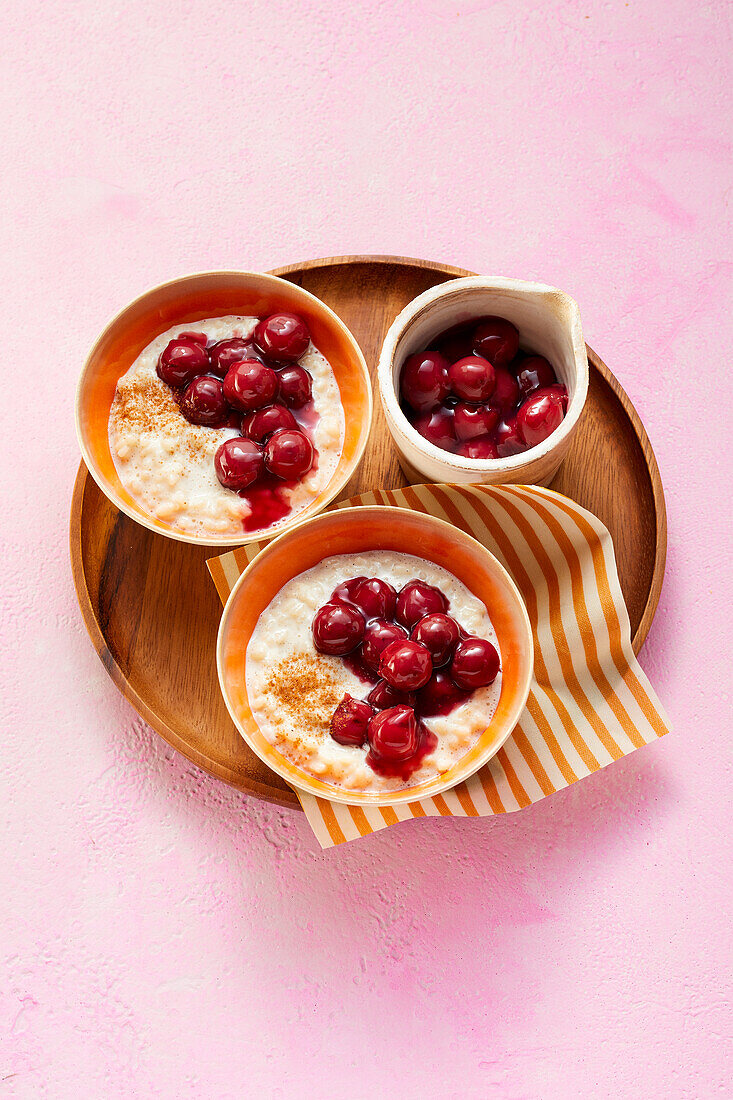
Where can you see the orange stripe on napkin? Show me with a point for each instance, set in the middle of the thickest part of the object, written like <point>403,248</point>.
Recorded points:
<point>586,631</point>
<point>611,611</point>
<point>505,552</point>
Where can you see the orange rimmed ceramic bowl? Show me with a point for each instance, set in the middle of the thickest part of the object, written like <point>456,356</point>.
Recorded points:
<point>190,299</point>
<point>355,530</point>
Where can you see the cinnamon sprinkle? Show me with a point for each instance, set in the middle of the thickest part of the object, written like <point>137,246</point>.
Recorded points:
<point>305,687</point>
<point>145,404</point>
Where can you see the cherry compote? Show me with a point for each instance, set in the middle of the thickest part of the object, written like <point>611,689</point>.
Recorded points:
<point>250,384</point>
<point>289,454</point>
<point>283,337</point>
<point>226,353</point>
<point>409,677</point>
<point>472,392</point>
<point>261,424</point>
<point>182,360</point>
<point>350,721</point>
<point>378,635</point>
<point>238,463</point>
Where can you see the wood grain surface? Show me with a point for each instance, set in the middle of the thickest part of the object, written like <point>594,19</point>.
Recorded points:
<point>150,606</point>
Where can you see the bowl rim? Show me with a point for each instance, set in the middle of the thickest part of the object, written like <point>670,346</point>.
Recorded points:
<point>379,798</point>
<point>243,538</point>
<point>421,305</point>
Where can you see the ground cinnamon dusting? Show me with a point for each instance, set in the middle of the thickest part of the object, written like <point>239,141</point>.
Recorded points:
<point>146,404</point>
<point>306,688</point>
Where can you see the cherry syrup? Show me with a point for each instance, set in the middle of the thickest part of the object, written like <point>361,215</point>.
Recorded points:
<point>268,499</point>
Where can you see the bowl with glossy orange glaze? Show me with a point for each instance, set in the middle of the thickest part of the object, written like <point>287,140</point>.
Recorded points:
<point>185,301</point>
<point>363,530</point>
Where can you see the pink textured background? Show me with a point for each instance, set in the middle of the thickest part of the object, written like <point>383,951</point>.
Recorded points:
<point>164,936</point>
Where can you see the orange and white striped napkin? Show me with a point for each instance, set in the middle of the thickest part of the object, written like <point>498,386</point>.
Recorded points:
<point>590,702</point>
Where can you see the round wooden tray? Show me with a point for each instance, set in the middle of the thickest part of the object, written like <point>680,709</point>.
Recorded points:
<point>152,611</point>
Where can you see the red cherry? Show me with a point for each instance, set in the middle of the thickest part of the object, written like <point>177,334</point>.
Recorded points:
<point>264,422</point>
<point>471,421</point>
<point>181,361</point>
<point>475,663</point>
<point>383,696</point>
<point>508,440</point>
<point>197,337</point>
<point>561,392</point>
<point>456,342</point>
<point>439,634</point>
<point>282,336</point>
<point>438,428</point>
<point>439,696</point>
<point>405,665</point>
<point>377,636</point>
<point>393,733</point>
<point>416,600</point>
<point>238,463</point>
<point>296,386</point>
<point>289,454</point>
<point>480,449</point>
<point>539,416</point>
<point>496,340</point>
<point>376,598</point>
<point>472,378</point>
<point>249,384</point>
<point>343,592</point>
<point>533,373</point>
<point>424,380</point>
<point>203,402</point>
<point>350,720</point>
<point>226,353</point>
<point>506,390</point>
<point>337,629</point>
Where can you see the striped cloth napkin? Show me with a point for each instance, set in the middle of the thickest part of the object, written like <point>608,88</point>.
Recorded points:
<point>589,704</point>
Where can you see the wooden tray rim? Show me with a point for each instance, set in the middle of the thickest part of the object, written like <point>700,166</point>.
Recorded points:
<point>167,732</point>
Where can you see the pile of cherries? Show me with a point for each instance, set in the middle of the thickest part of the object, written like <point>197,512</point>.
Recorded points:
<point>473,393</point>
<point>418,659</point>
<point>250,384</point>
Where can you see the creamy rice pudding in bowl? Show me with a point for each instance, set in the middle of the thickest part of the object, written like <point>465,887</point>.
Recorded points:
<point>223,407</point>
<point>375,655</point>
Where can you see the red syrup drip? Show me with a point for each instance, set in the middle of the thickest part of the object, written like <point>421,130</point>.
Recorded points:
<point>403,769</point>
<point>447,707</point>
<point>268,498</point>
<point>440,696</point>
<point>356,666</point>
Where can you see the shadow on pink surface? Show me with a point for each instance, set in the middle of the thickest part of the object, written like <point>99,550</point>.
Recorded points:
<point>512,859</point>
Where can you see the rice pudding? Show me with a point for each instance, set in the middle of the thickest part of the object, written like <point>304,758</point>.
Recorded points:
<point>200,447</point>
<point>369,671</point>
